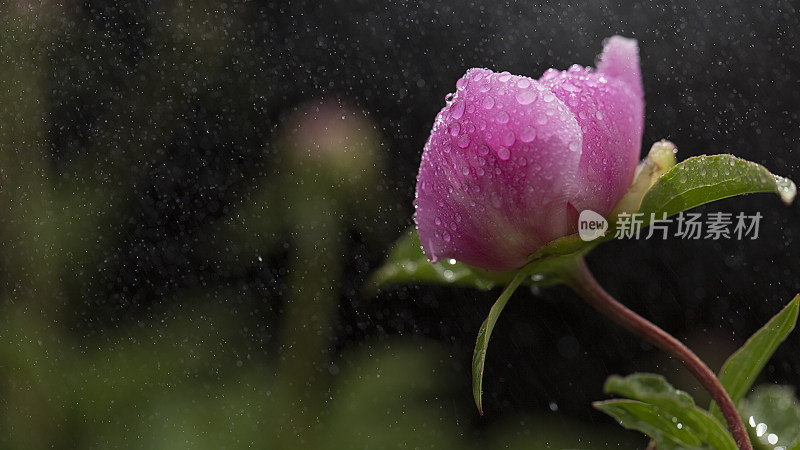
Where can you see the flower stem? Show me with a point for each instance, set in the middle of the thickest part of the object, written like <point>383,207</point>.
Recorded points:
<point>580,280</point>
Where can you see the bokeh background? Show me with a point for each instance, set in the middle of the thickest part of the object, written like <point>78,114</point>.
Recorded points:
<point>192,195</point>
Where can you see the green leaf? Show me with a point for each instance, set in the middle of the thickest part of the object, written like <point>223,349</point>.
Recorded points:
<point>406,263</point>
<point>650,420</point>
<point>485,332</point>
<point>676,405</point>
<point>741,369</point>
<point>773,416</point>
<point>703,179</point>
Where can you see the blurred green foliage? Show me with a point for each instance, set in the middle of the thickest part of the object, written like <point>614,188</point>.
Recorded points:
<point>190,371</point>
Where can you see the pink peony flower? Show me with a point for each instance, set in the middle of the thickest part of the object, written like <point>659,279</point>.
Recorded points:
<point>511,161</point>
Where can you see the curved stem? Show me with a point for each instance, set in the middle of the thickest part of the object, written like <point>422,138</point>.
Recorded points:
<point>580,280</point>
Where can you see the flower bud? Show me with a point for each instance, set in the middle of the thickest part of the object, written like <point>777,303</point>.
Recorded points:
<point>511,161</point>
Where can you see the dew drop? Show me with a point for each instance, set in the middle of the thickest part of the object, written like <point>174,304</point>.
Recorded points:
<point>598,115</point>
<point>478,76</point>
<point>786,189</point>
<point>509,138</point>
<point>528,134</point>
<point>503,153</point>
<point>446,236</point>
<point>461,83</point>
<point>458,110</point>
<point>505,76</point>
<point>484,88</point>
<point>488,102</point>
<point>502,117</point>
<point>526,97</point>
<point>524,83</point>
<point>437,221</point>
<point>569,87</point>
<point>548,97</point>
<point>454,129</point>
<point>482,124</point>
<point>483,149</point>
<point>463,141</point>
<point>575,146</point>
<point>465,170</point>
<point>549,74</point>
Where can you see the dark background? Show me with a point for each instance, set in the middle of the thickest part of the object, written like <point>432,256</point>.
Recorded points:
<point>181,125</point>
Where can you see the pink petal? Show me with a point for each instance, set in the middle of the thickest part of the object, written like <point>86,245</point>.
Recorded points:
<point>609,106</point>
<point>497,172</point>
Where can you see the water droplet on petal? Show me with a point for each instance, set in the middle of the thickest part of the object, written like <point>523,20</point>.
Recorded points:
<point>446,236</point>
<point>463,141</point>
<point>502,117</point>
<point>549,74</point>
<point>575,68</point>
<point>454,129</point>
<point>526,97</point>
<point>575,146</point>
<point>549,97</point>
<point>569,87</point>
<point>461,83</point>
<point>488,102</point>
<point>528,134</point>
<point>458,110</point>
<point>509,138</point>
<point>483,149</point>
<point>505,76</point>
<point>465,170</point>
<point>437,221</point>
<point>503,153</point>
<point>524,83</point>
<point>485,87</point>
<point>598,115</point>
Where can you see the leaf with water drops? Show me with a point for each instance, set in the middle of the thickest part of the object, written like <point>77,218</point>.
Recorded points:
<point>704,179</point>
<point>741,369</point>
<point>648,419</point>
<point>669,416</point>
<point>406,263</point>
<point>772,413</point>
